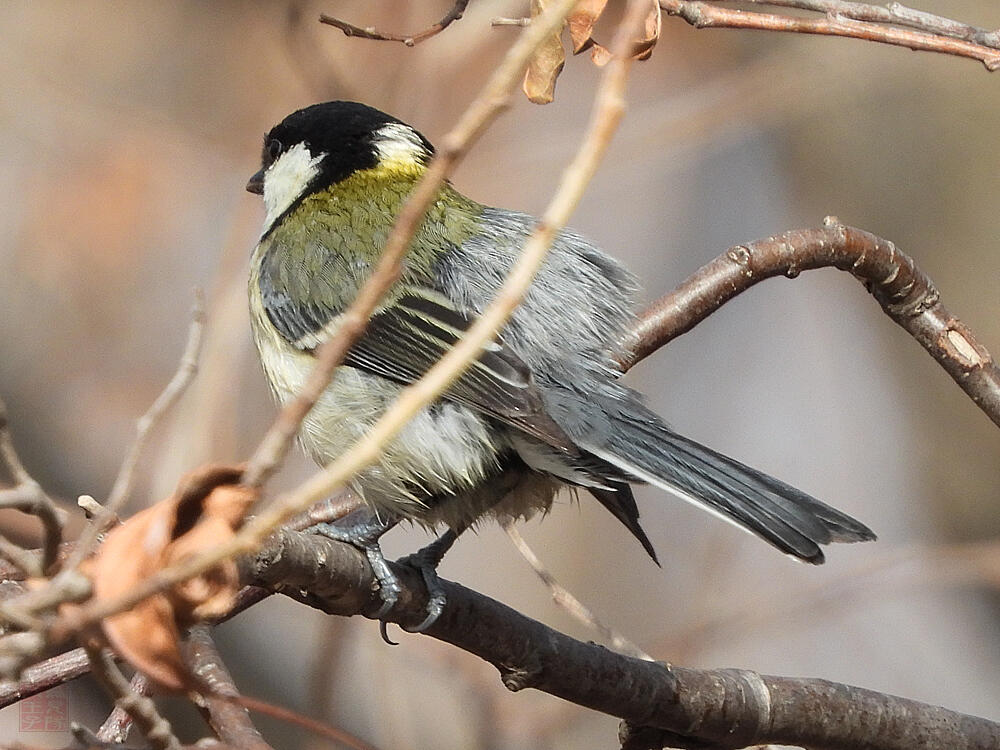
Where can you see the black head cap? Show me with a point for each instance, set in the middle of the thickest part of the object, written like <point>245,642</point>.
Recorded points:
<point>347,132</point>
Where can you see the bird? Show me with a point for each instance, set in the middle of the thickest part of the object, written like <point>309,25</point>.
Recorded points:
<point>542,408</point>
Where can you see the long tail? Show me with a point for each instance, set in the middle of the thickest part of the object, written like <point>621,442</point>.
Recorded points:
<point>645,449</point>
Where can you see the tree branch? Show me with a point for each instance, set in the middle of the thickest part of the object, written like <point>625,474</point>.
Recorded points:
<point>893,13</point>
<point>410,40</point>
<point>728,708</point>
<point>221,699</point>
<point>905,293</point>
<point>703,15</point>
<point>27,495</point>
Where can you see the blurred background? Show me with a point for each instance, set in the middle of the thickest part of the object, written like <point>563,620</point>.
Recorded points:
<point>127,133</point>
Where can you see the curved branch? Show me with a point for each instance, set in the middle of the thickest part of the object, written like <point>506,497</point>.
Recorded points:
<point>678,706</point>
<point>905,293</point>
<point>410,40</point>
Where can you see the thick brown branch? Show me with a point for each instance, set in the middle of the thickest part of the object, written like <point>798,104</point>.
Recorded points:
<point>728,708</point>
<point>705,15</point>
<point>904,292</point>
<point>454,14</point>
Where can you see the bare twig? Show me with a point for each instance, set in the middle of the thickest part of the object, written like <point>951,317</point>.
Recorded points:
<point>230,720</point>
<point>565,599</point>
<point>454,14</point>
<point>502,21</point>
<point>352,322</point>
<point>26,560</point>
<point>45,675</point>
<point>278,440</point>
<point>705,15</point>
<point>607,114</point>
<point>893,13</point>
<point>122,487</point>
<point>116,727</point>
<point>316,727</point>
<point>904,292</point>
<point>27,495</point>
<point>143,711</point>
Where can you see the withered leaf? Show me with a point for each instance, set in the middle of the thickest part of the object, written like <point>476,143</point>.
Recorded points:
<point>545,65</point>
<point>641,49</point>
<point>201,514</point>
<point>581,23</point>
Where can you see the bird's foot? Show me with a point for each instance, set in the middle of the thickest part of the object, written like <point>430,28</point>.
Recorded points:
<point>426,560</point>
<point>365,537</point>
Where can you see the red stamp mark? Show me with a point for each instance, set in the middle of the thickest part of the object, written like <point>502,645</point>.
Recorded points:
<point>45,712</point>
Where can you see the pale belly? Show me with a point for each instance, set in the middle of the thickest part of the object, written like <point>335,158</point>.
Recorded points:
<point>446,450</point>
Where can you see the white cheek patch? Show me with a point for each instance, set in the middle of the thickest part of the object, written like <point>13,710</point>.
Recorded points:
<point>398,142</point>
<point>287,179</point>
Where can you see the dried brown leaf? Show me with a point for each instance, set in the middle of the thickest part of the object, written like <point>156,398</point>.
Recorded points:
<point>200,515</point>
<point>545,65</point>
<point>600,55</point>
<point>581,23</point>
<point>643,48</point>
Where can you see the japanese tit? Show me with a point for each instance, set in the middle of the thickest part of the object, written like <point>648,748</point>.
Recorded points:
<point>542,407</point>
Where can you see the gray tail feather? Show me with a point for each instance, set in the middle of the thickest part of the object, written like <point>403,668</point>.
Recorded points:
<point>620,501</point>
<point>645,449</point>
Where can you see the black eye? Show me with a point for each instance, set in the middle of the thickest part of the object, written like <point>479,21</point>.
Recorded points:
<point>273,149</point>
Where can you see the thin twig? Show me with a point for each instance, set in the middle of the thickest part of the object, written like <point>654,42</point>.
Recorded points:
<point>608,106</point>
<point>905,293</point>
<point>483,110</point>
<point>116,727</point>
<point>569,603</point>
<point>317,727</point>
<point>230,720</point>
<point>8,454</point>
<point>27,495</point>
<point>143,711</point>
<point>410,40</point>
<point>26,560</point>
<point>705,15</point>
<point>122,487</point>
<point>439,377</point>
<point>502,21</point>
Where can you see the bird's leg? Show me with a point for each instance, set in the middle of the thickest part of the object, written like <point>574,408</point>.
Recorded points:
<point>365,536</point>
<point>426,560</point>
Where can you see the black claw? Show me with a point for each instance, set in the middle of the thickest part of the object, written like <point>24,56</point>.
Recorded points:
<point>383,629</point>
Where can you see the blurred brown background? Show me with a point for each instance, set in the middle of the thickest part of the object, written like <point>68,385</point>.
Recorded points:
<point>127,132</point>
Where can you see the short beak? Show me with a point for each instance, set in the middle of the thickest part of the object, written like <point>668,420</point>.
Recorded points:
<point>256,184</point>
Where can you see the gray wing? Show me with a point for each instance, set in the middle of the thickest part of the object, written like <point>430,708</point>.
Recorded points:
<point>407,338</point>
